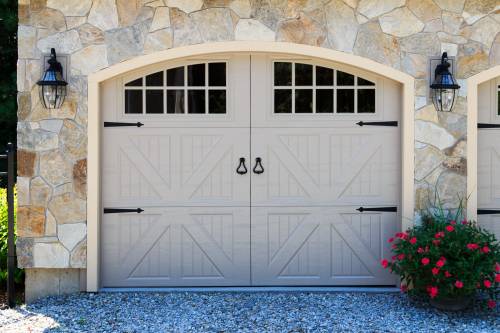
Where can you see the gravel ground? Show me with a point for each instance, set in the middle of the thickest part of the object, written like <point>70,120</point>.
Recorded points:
<point>240,312</point>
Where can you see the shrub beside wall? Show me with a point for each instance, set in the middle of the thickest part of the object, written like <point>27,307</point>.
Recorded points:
<point>19,275</point>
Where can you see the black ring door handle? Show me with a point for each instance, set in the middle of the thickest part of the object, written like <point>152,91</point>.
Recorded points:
<point>239,169</point>
<point>258,168</point>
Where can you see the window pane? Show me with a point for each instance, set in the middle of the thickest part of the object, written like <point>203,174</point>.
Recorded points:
<point>196,75</point>
<point>283,101</point>
<point>363,82</point>
<point>135,83</point>
<point>324,76</point>
<point>303,101</point>
<point>133,101</point>
<point>154,101</point>
<point>175,101</point>
<point>345,101</point>
<point>217,74</point>
<point>344,79</point>
<point>155,79</point>
<point>303,75</point>
<point>216,101</point>
<point>196,101</point>
<point>282,74</point>
<point>366,101</point>
<point>175,76</point>
<point>324,101</point>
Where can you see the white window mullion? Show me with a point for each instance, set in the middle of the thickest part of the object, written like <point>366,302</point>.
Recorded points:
<point>164,92</point>
<point>314,88</point>
<point>144,95</point>
<point>185,89</point>
<point>293,87</point>
<point>206,88</point>
<point>355,94</point>
<point>335,96</point>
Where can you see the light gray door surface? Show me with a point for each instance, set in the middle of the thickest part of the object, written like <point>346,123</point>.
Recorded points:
<point>250,171</point>
<point>488,156</point>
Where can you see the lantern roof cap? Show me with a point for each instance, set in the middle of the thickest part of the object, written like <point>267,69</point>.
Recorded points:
<point>53,76</point>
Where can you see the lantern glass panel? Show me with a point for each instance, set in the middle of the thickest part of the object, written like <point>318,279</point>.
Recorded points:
<point>443,99</point>
<point>52,96</point>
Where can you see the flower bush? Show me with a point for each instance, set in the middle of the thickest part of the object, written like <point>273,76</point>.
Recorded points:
<point>445,258</point>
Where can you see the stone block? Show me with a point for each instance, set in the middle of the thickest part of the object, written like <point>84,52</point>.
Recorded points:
<point>248,29</point>
<point>185,6</point>
<point>214,24</point>
<point>71,7</point>
<point>80,178</point>
<point>26,163</point>
<point>374,8</point>
<point>66,42</point>
<point>104,14</point>
<point>42,282</point>
<point>301,30</point>
<point>50,255</point>
<point>24,252</point>
<point>55,168</point>
<point>158,40</point>
<point>68,208</point>
<point>30,221</point>
<point>71,234</point>
<point>342,25</point>
<point>78,258</point>
<point>40,192</point>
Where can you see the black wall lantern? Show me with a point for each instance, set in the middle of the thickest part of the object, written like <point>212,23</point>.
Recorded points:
<point>52,86</point>
<point>444,87</point>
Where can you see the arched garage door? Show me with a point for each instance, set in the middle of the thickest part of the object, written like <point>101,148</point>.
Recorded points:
<point>249,170</point>
<point>488,156</point>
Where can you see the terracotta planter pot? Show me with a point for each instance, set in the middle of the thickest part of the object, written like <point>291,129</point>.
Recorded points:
<point>452,304</point>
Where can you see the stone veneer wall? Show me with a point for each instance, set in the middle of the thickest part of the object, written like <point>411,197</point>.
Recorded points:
<point>99,33</point>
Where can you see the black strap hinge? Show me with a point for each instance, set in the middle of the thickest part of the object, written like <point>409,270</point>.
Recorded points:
<point>377,209</point>
<point>485,125</point>
<point>488,211</point>
<point>122,210</point>
<point>377,123</point>
<point>115,124</point>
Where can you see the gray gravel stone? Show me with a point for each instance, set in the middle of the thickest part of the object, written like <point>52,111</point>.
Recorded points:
<point>241,312</point>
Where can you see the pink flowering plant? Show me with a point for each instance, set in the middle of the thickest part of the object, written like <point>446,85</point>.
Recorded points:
<point>446,258</point>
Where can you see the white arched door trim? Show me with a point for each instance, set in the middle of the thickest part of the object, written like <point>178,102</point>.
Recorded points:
<point>472,112</point>
<point>94,208</point>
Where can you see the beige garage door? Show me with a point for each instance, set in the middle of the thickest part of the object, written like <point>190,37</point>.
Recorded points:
<point>249,170</point>
<point>488,156</point>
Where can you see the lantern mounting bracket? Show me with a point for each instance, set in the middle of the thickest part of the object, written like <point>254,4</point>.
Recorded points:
<point>63,59</point>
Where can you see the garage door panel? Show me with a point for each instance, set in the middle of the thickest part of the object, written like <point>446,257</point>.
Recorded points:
<point>188,167</point>
<point>136,246</point>
<point>488,157</point>
<point>177,247</point>
<point>320,246</point>
<point>491,223</point>
<point>489,169</point>
<point>328,167</point>
<point>357,246</point>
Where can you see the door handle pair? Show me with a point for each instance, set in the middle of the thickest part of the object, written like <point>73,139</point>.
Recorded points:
<point>257,169</point>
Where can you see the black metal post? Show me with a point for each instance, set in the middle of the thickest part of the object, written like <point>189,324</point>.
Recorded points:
<point>11,250</point>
